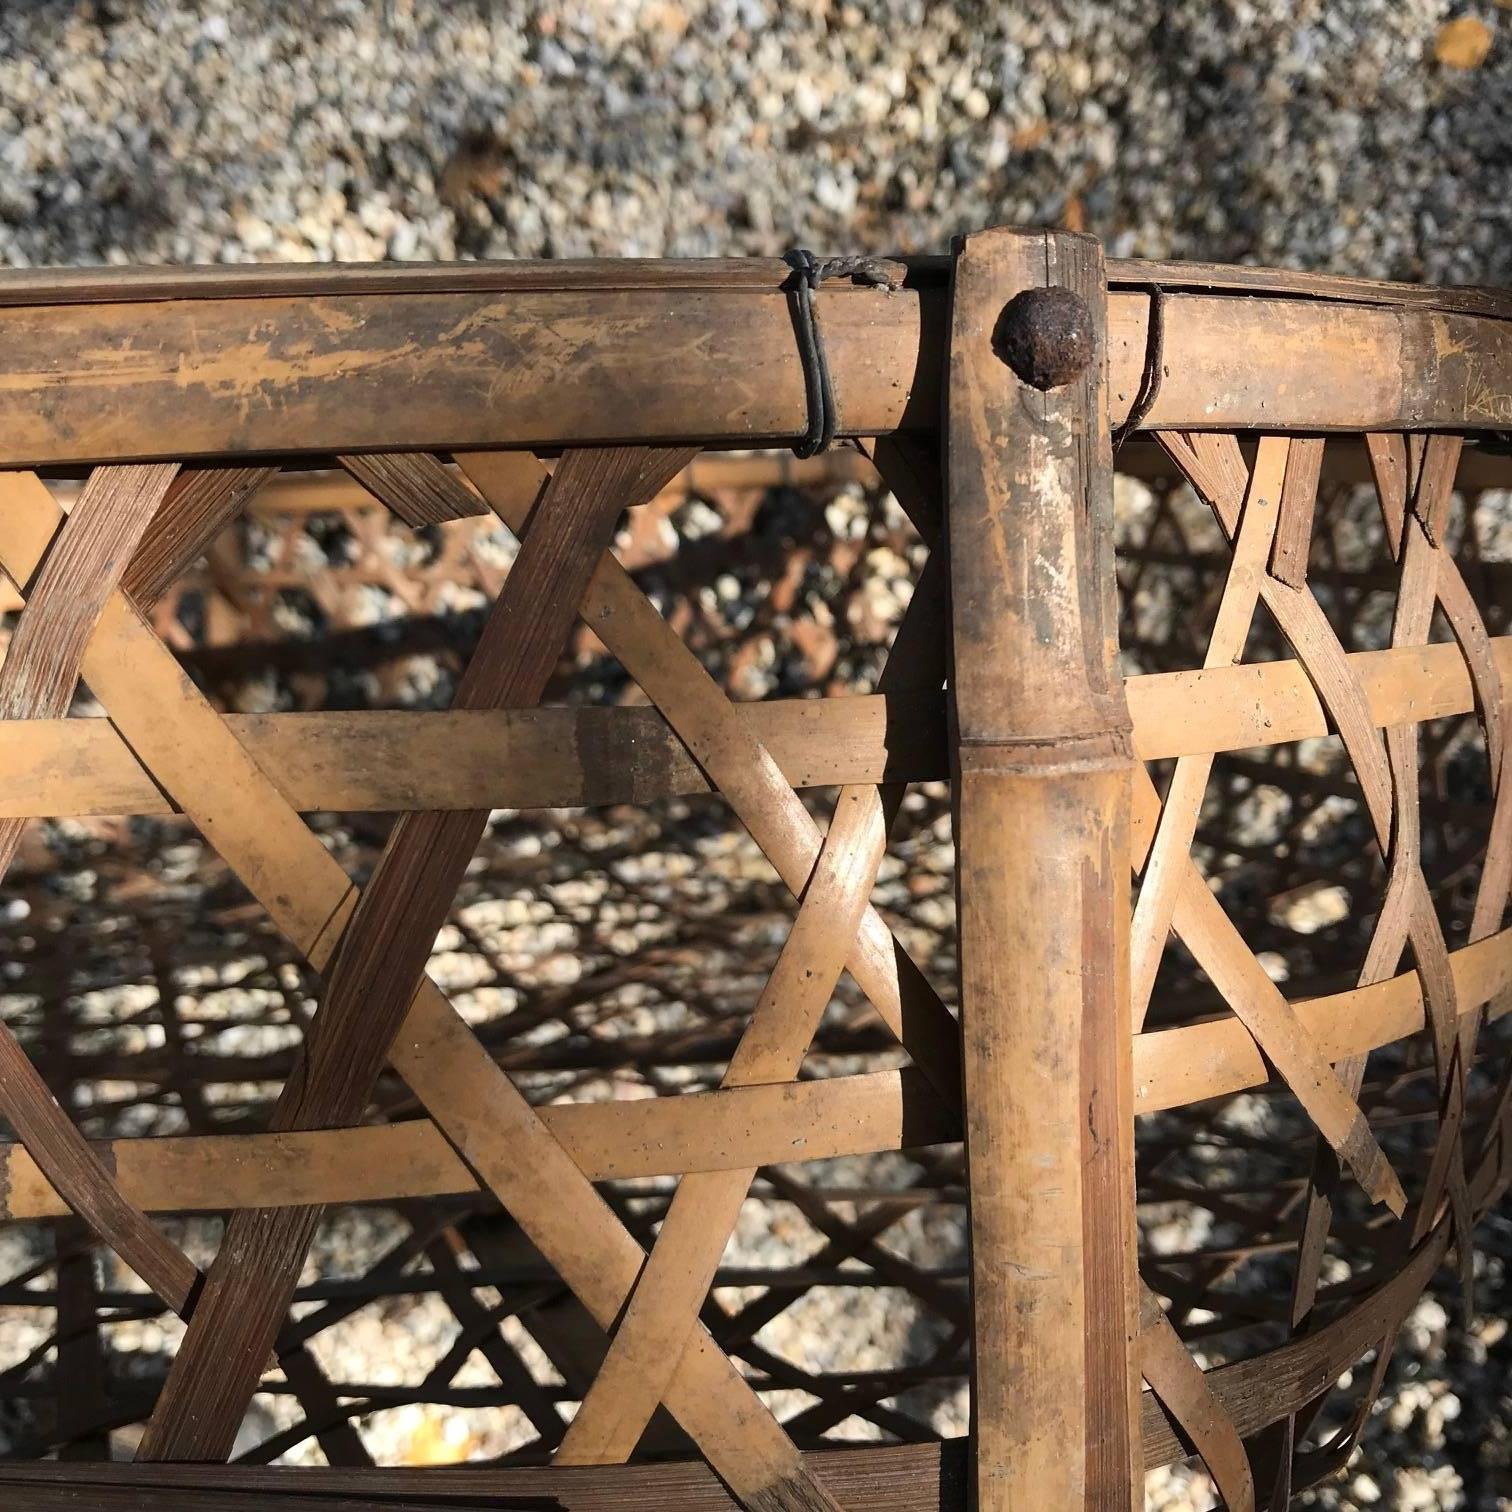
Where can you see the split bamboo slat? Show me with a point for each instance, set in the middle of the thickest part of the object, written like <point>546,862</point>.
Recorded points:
<point>1208,587</point>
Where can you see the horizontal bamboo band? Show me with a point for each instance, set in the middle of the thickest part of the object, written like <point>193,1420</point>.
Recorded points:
<point>1175,1067</point>
<point>533,758</point>
<point>555,758</point>
<point>433,365</point>
<point>714,1131</point>
<point>662,1136</point>
<point>131,285</point>
<point>895,1478</point>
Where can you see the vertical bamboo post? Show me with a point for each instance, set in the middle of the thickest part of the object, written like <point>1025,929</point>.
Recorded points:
<point>1042,792</point>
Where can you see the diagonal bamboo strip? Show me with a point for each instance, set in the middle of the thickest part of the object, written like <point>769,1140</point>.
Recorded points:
<point>1210,462</point>
<point>1178,1381</point>
<point>650,1339</point>
<point>1169,855</point>
<point>1408,913</point>
<point>196,509</point>
<point>1216,945</point>
<point>382,953</point>
<point>415,487</point>
<point>81,564</point>
<point>741,768</point>
<point>191,751</point>
<point>711,1131</point>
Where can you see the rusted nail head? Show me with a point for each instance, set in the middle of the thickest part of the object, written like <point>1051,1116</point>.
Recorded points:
<point>1045,336</point>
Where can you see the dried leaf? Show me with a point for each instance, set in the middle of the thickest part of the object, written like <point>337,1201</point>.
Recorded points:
<point>1463,43</point>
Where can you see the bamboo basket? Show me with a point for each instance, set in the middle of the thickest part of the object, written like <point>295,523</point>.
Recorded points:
<point>1214,731</point>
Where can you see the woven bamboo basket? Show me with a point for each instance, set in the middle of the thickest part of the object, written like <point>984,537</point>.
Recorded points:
<point>1125,899</point>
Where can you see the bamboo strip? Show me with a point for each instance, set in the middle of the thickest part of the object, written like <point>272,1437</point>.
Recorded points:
<point>390,761</point>
<point>283,863</point>
<point>383,949</point>
<point>1170,853</point>
<point>743,770</point>
<point>722,1130</point>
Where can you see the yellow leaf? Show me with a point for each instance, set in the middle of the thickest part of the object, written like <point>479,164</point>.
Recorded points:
<point>1463,43</point>
<point>431,1444</point>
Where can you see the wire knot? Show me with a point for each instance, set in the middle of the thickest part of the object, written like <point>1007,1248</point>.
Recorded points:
<point>808,273</point>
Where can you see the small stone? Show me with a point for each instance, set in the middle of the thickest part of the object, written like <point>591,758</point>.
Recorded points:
<point>1464,42</point>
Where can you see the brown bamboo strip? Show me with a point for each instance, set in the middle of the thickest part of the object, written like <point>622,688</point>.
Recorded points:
<point>743,771</point>
<point>1182,1389</point>
<point>357,370</point>
<point>893,1478</point>
<point>651,1335</point>
<point>1387,451</point>
<point>200,503</point>
<point>698,1131</point>
<point>80,566</point>
<point>1170,854</point>
<point>78,573</point>
<point>1406,912</point>
<point>1431,466</point>
<point>383,950</point>
<point>415,487</point>
<point>1042,815</point>
<point>190,750</point>
<point>1176,1067</point>
<point>1208,932</point>
<point>388,761</point>
<point>383,761</point>
<point>665,1304</point>
<point>1255,1392</point>
<point>1299,498</point>
<point>707,1131</point>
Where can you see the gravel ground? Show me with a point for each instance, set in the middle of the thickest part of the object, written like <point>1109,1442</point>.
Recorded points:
<point>1358,135</point>
<point>1308,132</point>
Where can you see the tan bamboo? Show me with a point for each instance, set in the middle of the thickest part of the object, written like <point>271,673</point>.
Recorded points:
<point>1042,803</point>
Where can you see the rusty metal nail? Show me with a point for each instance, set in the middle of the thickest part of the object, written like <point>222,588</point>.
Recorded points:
<point>1046,337</point>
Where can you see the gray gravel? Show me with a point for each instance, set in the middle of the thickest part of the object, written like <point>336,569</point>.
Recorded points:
<point>1293,131</point>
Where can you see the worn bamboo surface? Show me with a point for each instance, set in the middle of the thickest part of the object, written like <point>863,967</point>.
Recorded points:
<point>532,357</point>
<point>431,388</point>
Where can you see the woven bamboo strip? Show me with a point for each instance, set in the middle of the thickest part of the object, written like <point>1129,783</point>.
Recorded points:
<point>1175,1067</point>
<point>1165,868</point>
<point>706,1131</point>
<point>188,747</point>
<point>1257,1002</point>
<point>1178,1382</point>
<point>415,487</point>
<point>197,507</point>
<point>390,761</point>
<point>80,566</point>
<point>650,1339</point>
<point>651,1336</point>
<point>1407,913</point>
<point>741,768</point>
<point>385,945</point>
